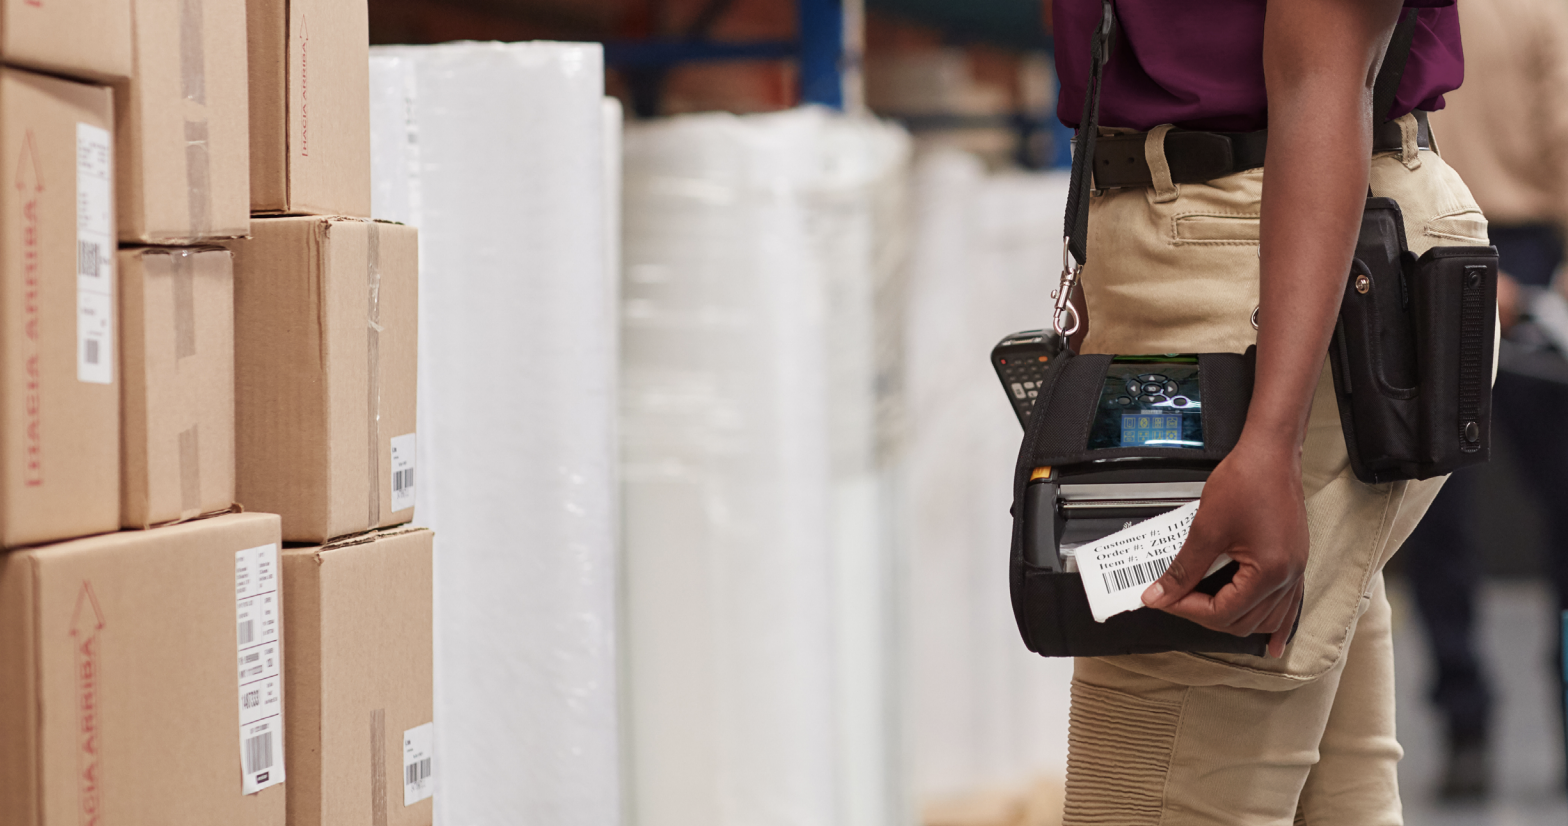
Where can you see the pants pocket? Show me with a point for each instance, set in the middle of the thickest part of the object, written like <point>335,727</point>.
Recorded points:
<point>1217,228</point>
<point>1465,228</point>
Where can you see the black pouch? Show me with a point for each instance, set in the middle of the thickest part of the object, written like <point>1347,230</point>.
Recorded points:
<point>1050,606</point>
<point>1412,353</point>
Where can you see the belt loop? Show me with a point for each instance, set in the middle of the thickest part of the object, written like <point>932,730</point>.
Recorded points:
<point>1409,141</point>
<point>1159,167</point>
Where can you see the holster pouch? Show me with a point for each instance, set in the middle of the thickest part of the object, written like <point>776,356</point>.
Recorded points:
<point>1412,353</point>
<point>1050,606</point>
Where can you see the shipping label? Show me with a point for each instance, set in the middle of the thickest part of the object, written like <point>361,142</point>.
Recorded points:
<point>257,616</point>
<point>418,757</point>
<point>94,256</point>
<point>1117,569</point>
<point>403,453</point>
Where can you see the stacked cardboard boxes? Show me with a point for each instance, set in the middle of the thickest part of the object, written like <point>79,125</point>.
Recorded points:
<point>183,169</point>
<point>118,650</point>
<point>143,613</point>
<point>325,353</point>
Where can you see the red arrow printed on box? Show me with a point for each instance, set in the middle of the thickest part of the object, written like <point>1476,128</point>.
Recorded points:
<point>86,638</point>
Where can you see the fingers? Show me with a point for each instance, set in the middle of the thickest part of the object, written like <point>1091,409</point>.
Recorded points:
<point>1234,603</point>
<point>1259,617</point>
<point>1275,609</point>
<point>1286,623</point>
<point>1284,613</point>
<point>1186,570</point>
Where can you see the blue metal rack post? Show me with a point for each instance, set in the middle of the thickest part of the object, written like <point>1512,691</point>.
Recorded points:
<point>822,52</point>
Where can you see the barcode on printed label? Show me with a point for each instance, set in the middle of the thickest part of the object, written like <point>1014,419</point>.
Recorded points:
<point>1115,569</point>
<point>88,258</point>
<point>92,351</point>
<point>403,454</point>
<point>418,748</point>
<point>247,632</point>
<point>258,753</point>
<point>416,772</point>
<point>1120,579</point>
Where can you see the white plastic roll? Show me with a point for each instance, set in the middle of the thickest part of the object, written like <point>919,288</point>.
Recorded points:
<point>759,581</point>
<point>984,712</point>
<point>517,456</point>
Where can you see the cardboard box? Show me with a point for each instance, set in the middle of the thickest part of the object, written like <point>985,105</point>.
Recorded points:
<point>59,398</point>
<point>325,348</point>
<point>177,369</point>
<point>123,702</point>
<point>360,680</point>
<point>309,107</point>
<point>183,125</point>
<point>86,39</point>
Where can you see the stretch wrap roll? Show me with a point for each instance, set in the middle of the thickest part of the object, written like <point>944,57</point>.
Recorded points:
<point>498,153</point>
<point>760,641</point>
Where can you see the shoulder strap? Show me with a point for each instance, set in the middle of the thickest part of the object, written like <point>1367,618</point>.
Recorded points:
<point>1075,232</point>
<point>1077,224</point>
<point>1076,221</point>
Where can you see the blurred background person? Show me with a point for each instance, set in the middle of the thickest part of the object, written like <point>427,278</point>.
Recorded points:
<point>1506,132</point>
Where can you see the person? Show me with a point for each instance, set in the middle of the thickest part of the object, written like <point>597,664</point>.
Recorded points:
<point>1507,132</point>
<point>1179,262</point>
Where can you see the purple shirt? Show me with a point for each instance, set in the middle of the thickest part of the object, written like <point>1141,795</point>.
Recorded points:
<point>1199,63</point>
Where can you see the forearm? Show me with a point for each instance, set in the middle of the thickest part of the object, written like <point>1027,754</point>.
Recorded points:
<point>1320,57</point>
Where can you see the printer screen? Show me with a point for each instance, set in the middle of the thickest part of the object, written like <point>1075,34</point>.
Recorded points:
<point>1152,401</point>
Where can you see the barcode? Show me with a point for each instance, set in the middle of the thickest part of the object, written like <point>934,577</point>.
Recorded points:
<point>416,772</point>
<point>258,752</point>
<point>91,356</point>
<point>88,257</point>
<point>1142,573</point>
<point>247,632</point>
<point>402,480</point>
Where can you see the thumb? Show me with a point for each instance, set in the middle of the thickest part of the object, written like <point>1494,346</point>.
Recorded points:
<point>1187,569</point>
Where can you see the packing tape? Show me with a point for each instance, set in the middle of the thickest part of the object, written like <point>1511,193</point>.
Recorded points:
<point>373,365</point>
<point>378,767</point>
<point>183,285</point>
<point>190,473</point>
<point>198,179</point>
<point>184,304</point>
<point>193,85</point>
<point>193,53</point>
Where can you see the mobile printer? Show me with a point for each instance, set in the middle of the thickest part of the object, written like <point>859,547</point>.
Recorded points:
<point>1121,439</point>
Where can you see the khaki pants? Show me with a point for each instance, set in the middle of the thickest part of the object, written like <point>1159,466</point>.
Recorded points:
<point>1230,739</point>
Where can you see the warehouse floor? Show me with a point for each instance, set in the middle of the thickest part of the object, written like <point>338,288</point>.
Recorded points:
<point>1515,635</point>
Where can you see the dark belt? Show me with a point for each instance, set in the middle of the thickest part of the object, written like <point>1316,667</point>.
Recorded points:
<point>1199,157</point>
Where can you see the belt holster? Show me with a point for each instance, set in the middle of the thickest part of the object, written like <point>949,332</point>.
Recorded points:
<point>1412,353</point>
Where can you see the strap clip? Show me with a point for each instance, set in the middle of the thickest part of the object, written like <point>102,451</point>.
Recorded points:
<point>1063,311</point>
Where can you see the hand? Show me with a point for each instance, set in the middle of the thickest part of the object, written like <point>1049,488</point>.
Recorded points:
<point>1252,509</point>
